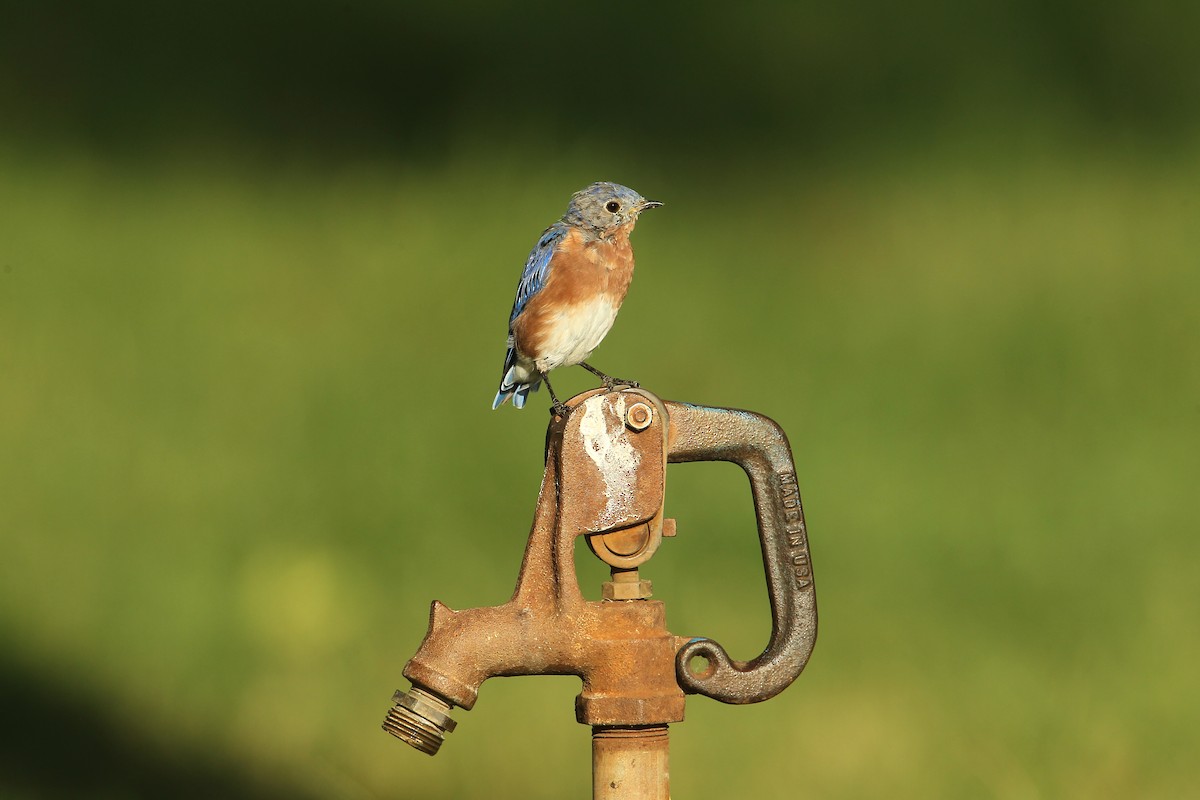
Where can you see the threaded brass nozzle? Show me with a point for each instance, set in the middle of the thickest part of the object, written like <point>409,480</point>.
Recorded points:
<point>419,718</point>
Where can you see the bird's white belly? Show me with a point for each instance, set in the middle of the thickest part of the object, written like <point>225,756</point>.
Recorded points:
<point>575,332</point>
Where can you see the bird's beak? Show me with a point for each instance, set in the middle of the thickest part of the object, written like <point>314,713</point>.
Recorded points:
<point>649,204</point>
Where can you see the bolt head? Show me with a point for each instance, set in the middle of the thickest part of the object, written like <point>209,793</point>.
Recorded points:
<point>639,416</point>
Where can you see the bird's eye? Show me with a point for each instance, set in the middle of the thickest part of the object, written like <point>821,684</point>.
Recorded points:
<point>613,206</point>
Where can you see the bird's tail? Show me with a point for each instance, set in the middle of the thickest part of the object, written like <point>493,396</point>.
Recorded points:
<point>517,382</point>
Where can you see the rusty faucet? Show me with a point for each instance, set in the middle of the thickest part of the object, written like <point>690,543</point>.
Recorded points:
<point>604,479</point>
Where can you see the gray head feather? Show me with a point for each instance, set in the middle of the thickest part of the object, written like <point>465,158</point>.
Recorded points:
<point>605,206</point>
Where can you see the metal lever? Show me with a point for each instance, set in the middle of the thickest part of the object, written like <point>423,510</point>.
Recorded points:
<point>758,446</point>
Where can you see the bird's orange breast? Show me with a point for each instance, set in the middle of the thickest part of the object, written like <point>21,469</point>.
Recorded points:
<point>581,273</point>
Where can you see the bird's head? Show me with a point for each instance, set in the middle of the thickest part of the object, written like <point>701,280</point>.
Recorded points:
<point>606,206</point>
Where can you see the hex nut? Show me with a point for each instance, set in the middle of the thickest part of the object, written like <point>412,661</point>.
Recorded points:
<point>428,706</point>
<point>612,590</point>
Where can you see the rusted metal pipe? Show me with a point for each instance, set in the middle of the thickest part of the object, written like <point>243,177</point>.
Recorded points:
<point>630,763</point>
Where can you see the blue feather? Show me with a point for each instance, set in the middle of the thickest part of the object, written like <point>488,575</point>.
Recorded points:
<point>509,387</point>
<point>537,267</point>
<point>537,270</point>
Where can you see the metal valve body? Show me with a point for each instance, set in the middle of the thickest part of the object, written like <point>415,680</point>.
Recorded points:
<point>605,480</point>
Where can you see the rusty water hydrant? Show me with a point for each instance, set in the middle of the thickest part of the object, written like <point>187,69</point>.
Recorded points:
<point>604,479</point>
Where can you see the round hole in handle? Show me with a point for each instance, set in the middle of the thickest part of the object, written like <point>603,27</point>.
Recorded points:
<point>701,666</point>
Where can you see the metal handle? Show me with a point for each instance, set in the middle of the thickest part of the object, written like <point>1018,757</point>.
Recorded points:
<point>758,446</point>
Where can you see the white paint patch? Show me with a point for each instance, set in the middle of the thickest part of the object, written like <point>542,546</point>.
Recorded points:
<point>607,445</point>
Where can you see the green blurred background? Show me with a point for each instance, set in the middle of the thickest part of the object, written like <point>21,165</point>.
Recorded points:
<point>255,268</point>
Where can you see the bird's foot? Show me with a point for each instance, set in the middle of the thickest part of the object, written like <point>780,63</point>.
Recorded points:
<point>559,409</point>
<point>611,383</point>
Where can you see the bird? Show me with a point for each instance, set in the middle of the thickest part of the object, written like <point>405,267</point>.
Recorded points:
<point>573,284</point>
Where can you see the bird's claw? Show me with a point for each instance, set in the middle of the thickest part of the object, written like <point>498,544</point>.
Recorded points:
<point>559,409</point>
<point>611,384</point>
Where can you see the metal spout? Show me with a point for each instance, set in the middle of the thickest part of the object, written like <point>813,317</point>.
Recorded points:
<point>419,718</point>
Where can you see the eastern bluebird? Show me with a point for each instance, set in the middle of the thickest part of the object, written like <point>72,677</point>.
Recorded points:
<point>573,284</point>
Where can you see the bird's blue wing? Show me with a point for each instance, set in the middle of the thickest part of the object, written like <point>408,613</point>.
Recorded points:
<point>537,267</point>
<point>537,270</point>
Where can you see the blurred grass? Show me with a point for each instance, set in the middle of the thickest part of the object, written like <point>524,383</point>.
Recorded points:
<point>245,439</point>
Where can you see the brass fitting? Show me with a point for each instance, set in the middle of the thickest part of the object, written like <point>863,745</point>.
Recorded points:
<point>420,719</point>
<point>626,585</point>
